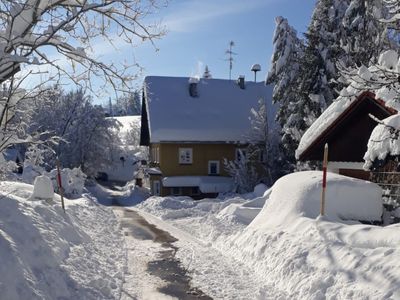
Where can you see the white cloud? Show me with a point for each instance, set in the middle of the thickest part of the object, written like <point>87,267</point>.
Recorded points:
<point>192,13</point>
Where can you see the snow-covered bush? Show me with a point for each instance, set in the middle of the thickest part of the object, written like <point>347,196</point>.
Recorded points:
<point>243,172</point>
<point>384,141</point>
<point>72,181</point>
<point>7,168</point>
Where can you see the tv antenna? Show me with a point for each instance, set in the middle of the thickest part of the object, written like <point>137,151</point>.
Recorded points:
<point>230,54</point>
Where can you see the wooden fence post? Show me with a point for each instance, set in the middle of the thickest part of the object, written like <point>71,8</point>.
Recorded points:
<point>324,167</point>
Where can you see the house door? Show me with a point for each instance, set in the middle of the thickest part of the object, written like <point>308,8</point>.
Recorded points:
<point>156,188</point>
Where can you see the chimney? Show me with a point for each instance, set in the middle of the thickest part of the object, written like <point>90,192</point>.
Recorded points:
<point>240,82</point>
<point>193,87</point>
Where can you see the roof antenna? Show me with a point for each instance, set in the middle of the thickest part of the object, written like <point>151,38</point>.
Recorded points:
<point>230,53</point>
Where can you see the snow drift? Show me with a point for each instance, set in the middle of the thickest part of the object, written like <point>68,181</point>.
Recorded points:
<point>46,254</point>
<point>298,195</point>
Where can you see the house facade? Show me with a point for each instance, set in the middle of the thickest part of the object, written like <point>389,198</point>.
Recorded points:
<point>191,126</point>
<point>346,126</point>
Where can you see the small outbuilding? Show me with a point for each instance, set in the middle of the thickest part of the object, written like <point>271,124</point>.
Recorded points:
<point>346,125</point>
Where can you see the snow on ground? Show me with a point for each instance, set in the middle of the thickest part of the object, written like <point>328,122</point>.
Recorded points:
<point>288,246</point>
<point>47,254</point>
<point>264,245</point>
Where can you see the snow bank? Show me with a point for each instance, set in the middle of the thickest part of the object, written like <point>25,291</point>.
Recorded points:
<point>298,195</point>
<point>313,257</point>
<point>383,142</point>
<point>47,254</point>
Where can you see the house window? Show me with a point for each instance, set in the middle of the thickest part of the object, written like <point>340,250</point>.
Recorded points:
<point>240,153</point>
<point>185,156</point>
<point>176,191</point>
<point>213,167</point>
<point>195,191</point>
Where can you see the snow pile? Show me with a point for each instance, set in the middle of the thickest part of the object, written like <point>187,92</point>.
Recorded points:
<point>47,254</point>
<point>384,141</point>
<point>201,214</point>
<point>42,189</point>
<point>298,195</point>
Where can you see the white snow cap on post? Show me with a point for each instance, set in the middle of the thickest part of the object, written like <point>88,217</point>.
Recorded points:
<point>42,188</point>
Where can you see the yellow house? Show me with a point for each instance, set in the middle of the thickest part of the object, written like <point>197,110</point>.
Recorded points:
<point>191,126</point>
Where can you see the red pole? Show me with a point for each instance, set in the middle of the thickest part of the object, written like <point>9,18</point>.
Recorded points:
<point>324,167</point>
<point>60,188</point>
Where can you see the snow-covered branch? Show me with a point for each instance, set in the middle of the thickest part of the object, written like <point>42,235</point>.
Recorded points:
<point>71,27</point>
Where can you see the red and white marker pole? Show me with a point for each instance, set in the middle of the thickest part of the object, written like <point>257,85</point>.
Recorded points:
<point>324,167</point>
<point>60,188</point>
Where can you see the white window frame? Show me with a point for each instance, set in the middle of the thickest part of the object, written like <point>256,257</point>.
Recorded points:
<point>209,167</point>
<point>185,156</point>
<point>156,188</point>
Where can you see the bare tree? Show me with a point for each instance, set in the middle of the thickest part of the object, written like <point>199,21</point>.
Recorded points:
<point>58,39</point>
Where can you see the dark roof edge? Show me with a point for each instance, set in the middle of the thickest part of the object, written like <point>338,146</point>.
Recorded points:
<point>343,115</point>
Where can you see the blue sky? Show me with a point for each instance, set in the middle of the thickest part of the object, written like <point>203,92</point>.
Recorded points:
<point>199,33</point>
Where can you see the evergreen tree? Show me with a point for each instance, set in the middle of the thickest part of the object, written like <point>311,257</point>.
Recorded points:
<point>284,73</point>
<point>207,73</point>
<point>365,36</point>
<point>323,52</point>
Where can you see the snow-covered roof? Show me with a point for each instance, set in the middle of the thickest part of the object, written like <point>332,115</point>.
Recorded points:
<point>220,112</point>
<point>206,184</point>
<point>153,171</point>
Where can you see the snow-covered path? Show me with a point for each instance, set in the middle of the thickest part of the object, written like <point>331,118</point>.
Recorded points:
<point>217,275</point>
<point>151,258</point>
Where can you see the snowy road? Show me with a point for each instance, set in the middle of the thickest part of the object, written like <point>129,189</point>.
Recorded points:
<point>153,273</point>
